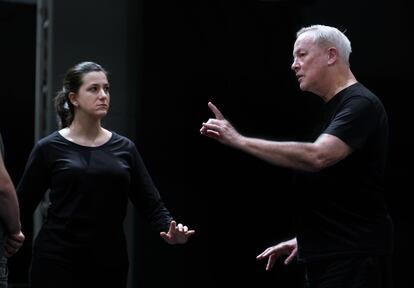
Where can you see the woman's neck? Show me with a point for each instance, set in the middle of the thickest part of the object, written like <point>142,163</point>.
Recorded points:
<point>86,129</point>
<point>90,134</point>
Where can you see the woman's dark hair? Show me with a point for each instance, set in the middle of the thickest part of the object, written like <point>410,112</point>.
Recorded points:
<point>71,83</point>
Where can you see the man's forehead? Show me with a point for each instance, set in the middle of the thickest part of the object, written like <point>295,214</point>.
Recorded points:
<point>303,41</point>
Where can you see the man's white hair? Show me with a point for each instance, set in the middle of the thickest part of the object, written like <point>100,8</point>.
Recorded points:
<point>324,35</point>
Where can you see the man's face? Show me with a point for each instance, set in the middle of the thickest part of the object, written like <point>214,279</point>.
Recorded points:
<point>309,62</point>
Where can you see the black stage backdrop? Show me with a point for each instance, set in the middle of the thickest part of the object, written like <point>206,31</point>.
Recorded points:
<point>238,55</point>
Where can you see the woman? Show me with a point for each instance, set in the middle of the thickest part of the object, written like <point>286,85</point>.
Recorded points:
<point>90,173</point>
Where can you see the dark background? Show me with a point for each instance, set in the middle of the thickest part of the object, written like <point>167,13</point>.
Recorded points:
<point>238,55</point>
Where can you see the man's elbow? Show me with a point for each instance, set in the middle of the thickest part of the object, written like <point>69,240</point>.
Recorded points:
<point>321,162</point>
<point>317,163</point>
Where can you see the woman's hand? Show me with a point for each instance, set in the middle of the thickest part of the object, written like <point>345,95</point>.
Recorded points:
<point>177,233</point>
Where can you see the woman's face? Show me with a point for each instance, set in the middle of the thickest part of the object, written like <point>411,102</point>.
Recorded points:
<point>93,95</point>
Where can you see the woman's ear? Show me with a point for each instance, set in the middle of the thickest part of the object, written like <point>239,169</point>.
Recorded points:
<point>72,99</point>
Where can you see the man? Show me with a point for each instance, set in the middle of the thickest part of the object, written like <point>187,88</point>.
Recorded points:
<point>11,236</point>
<point>343,229</point>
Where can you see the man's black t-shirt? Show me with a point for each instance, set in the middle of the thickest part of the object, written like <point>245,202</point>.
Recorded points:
<point>341,209</point>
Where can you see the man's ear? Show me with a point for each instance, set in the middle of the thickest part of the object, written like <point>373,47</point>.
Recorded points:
<point>332,55</point>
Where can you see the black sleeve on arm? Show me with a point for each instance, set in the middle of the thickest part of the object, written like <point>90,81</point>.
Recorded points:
<point>33,183</point>
<point>145,196</point>
<point>354,122</point>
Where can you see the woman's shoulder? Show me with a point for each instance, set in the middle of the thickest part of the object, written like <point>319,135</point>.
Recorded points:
<point>43,145</point>
<point>49,138</point>
<point>121,139</point>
